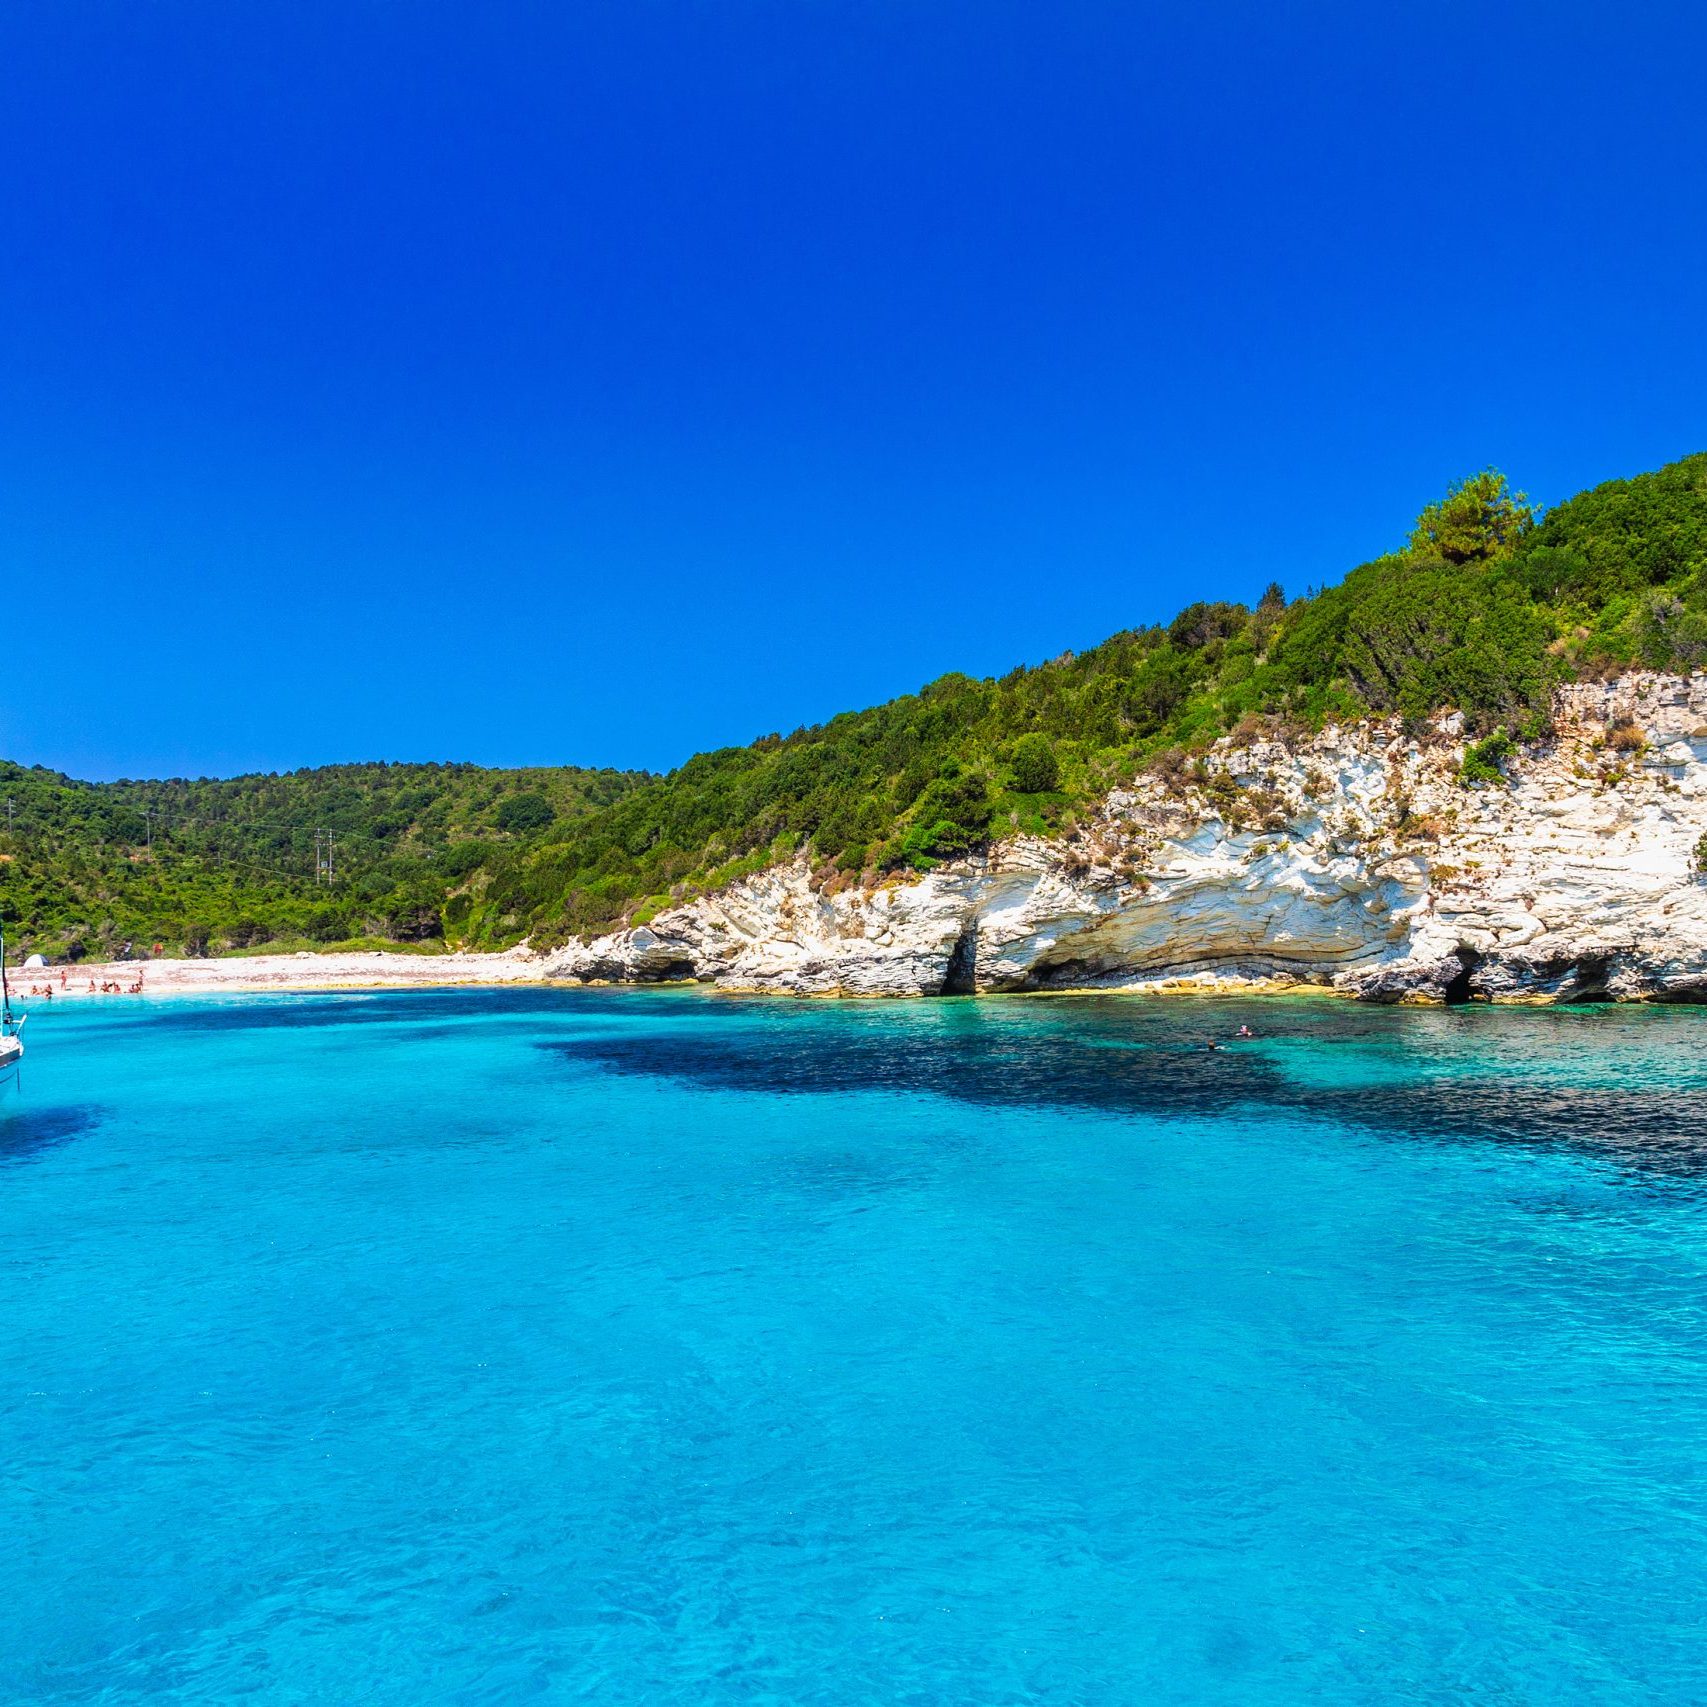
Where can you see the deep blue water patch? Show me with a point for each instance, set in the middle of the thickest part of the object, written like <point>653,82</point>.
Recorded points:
<point>635,1347</point>
<point>1486,1076</point>
<point>26,1131</point>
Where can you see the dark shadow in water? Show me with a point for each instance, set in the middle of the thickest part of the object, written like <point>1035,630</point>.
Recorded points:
<point>1152,1059</point>
<point>27,1133</point>
<point>973,1068</point>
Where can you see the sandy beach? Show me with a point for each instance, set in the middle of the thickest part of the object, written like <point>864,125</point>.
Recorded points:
<point>259,973</point>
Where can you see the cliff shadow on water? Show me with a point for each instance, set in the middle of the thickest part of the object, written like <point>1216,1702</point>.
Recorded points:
<point>1628,1084</point>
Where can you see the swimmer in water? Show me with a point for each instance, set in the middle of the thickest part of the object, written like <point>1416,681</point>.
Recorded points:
<point>1245,1031</point>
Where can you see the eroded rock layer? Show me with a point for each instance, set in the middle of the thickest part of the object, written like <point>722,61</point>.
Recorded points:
<point>1355,860</point>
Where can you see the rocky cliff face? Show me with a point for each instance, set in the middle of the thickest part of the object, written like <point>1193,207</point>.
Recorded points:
<point>1355,860</point>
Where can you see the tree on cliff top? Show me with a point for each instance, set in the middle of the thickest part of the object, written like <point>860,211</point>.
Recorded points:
<point>1478,521</point>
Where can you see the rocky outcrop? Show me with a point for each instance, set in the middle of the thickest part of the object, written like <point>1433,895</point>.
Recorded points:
<point>1355,860</point>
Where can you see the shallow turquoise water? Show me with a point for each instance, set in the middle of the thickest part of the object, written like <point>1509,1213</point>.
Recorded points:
<point>628,1348</point>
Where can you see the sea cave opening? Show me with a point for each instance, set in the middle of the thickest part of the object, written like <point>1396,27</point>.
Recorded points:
<point>1458,991</point>
<point>960,978</point>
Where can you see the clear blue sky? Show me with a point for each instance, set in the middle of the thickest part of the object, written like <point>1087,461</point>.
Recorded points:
<point>597,383</point>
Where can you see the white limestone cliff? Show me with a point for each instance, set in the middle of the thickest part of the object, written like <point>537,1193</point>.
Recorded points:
<point>1354,860</point>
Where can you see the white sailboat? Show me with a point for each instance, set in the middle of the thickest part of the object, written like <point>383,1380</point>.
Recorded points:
<point>11,1025</point>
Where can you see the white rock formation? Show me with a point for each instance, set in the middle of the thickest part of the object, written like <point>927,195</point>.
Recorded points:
<point>1355,860</point>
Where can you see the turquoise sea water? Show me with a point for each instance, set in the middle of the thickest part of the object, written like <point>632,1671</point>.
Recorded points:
<point>639,1348</point>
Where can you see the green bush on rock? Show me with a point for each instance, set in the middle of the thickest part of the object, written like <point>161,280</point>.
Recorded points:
<point>1482,759</point>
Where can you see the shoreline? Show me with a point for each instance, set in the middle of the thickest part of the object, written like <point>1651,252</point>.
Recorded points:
<point>264,974</point>
<point>305,973</point>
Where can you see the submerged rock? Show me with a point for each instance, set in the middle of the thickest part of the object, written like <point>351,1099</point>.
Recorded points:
<point>1353,860</point>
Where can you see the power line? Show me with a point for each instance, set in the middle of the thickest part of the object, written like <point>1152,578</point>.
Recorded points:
<point>213,858</point>
<point>216,827</point>
<point>170,819</point>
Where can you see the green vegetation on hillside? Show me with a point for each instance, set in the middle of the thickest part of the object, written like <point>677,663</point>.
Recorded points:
<point>1486,609</point>
<point>345,853</point>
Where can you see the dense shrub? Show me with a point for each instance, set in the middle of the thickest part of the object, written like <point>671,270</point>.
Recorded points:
<point>1035,768</point>
<point>523,812</point>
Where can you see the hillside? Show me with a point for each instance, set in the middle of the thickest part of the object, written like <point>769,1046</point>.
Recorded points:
<point>313,857</point>
<point>1487,608</point>
<point>1364,859</point>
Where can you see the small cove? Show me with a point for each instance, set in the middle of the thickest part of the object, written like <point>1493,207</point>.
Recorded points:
<point>649,1346</point>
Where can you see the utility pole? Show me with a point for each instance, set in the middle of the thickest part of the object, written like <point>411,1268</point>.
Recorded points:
<point>316,859</point>
<point>329,872</point>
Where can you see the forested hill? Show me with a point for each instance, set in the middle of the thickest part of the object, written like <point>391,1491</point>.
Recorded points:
<point>1485,607</point>
<point>335,854</point>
